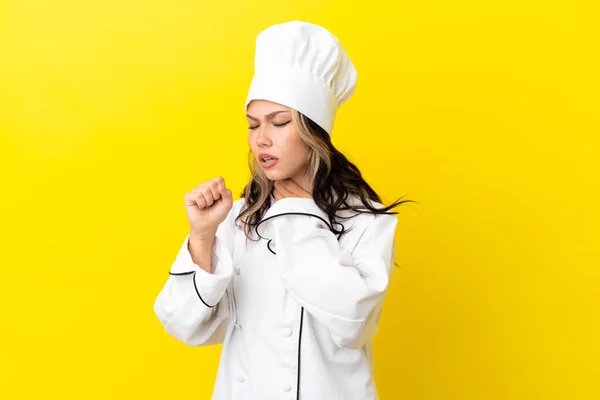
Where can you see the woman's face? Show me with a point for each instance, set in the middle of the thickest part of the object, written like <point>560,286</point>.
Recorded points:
<point>271,133</point>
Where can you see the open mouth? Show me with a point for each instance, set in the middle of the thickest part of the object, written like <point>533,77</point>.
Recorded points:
<point>268,162</point>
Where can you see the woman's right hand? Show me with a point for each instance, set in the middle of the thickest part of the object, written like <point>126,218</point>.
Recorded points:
<point>207,206</point>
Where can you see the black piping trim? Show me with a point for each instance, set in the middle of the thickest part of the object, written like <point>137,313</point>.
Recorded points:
<point>269,246</point>
<point>195,287</point>
<point>292,213</point>
<point>181,273</point>
<point>299,344</point>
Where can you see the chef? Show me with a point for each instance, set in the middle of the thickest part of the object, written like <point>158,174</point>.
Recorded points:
<point>295,307</point>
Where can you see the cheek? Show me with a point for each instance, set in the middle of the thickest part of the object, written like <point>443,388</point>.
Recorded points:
<point>297,155</point>
<point>293,146</point>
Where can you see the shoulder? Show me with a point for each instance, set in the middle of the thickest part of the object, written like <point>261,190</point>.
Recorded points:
<point>366,224</point>
<point>380,228</point>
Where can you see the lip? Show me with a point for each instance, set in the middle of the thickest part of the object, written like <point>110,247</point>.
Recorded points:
<point>267,164</point>
<point>266,155</point>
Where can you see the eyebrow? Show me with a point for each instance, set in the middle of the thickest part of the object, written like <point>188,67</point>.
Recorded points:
<point>268,116</point>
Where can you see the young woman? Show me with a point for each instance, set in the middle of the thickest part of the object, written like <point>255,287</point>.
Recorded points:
<point>291,277</point>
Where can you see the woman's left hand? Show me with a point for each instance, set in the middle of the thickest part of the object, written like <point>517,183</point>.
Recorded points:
<point>288,188</point>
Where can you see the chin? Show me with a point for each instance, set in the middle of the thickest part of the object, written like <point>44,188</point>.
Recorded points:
<point>274,175</point>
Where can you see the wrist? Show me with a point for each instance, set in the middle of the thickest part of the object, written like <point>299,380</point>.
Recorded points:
<point>202,237</point>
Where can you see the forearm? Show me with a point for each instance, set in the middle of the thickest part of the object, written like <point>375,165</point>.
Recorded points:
<point>200,249</point>
<point>193,305</point>
<point>343,288</point>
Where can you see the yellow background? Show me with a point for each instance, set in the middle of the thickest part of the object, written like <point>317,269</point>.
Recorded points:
<point>486,113</point>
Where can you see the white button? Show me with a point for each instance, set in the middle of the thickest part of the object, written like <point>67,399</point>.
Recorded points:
<point>287,332</point>
<point>240,378</point>
<point>287,388</point>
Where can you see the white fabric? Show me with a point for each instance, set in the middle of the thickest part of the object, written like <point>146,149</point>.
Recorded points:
<point>302,66</point>
<point>316,296</point>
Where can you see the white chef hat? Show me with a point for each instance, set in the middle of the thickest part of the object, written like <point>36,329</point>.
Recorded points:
<point>302,66</point>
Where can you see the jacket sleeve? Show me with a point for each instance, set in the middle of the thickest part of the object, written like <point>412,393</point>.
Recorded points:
<point>194,306</point>
<point>343,289</point>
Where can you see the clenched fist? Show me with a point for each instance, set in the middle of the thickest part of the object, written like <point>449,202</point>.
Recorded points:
<point>207,206</point>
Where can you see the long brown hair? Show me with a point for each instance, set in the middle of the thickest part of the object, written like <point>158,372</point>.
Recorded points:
<point>334,178</point>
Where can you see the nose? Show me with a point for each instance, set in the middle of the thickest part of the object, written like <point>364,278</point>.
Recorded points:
<point>262,136</point>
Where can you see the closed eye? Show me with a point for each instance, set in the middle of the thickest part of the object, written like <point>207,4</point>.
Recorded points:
<point>277,125</point>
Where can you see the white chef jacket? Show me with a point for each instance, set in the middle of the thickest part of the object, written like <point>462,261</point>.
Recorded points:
<point>295,311</point>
